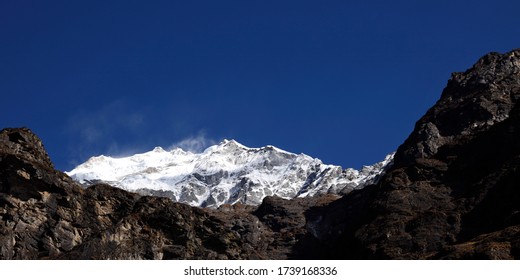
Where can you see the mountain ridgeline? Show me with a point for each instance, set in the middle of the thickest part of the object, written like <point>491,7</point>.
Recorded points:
<point>226,173</point>
<point>451,193</point>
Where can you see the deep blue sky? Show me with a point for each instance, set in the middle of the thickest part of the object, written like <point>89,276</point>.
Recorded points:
<point>343,81</point>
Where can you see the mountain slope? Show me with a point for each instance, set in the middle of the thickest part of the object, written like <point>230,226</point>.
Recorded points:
<point>225,173</point>
<point>44,214</point>
<point>453,191</point>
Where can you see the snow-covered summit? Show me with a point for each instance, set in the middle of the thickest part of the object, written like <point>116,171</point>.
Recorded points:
<point>228,172</point>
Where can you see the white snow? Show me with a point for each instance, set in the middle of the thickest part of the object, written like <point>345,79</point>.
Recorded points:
<point>225,173</point>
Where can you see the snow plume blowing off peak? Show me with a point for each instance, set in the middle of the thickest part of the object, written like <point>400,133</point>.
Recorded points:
<point>195,144</point>
<point>225,173</point>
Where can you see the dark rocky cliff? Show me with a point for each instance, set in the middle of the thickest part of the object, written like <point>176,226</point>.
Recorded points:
<point>453,192</point>
<point>46,215</point>
<point>454,188</point>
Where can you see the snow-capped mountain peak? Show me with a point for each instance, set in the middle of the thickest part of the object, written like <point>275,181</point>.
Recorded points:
<point>228,172</point>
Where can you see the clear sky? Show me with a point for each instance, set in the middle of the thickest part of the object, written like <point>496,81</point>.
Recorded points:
<point>343,81</point>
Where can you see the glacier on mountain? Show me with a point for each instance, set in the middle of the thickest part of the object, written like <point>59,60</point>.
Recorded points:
<point>225,173</point>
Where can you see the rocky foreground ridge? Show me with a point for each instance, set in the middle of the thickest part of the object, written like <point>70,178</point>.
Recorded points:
<point>451,193</point>
<point>46,215</point>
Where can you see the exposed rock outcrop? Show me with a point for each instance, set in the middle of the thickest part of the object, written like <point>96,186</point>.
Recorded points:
<point>45,214</point>
<point>453,190</point>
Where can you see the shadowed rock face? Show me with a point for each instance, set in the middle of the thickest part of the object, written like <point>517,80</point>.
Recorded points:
<point>44,214</point>
<point>451,193</point>
<point>453,190</point>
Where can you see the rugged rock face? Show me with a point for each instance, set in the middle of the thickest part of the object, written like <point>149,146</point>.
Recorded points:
<point>452,193</point>
<point>453,190</point>
<point>45,214</point>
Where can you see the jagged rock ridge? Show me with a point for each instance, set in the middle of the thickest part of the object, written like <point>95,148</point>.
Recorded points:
<point>46,215</point>
<point>225,173</point>
<point>453,189</point>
